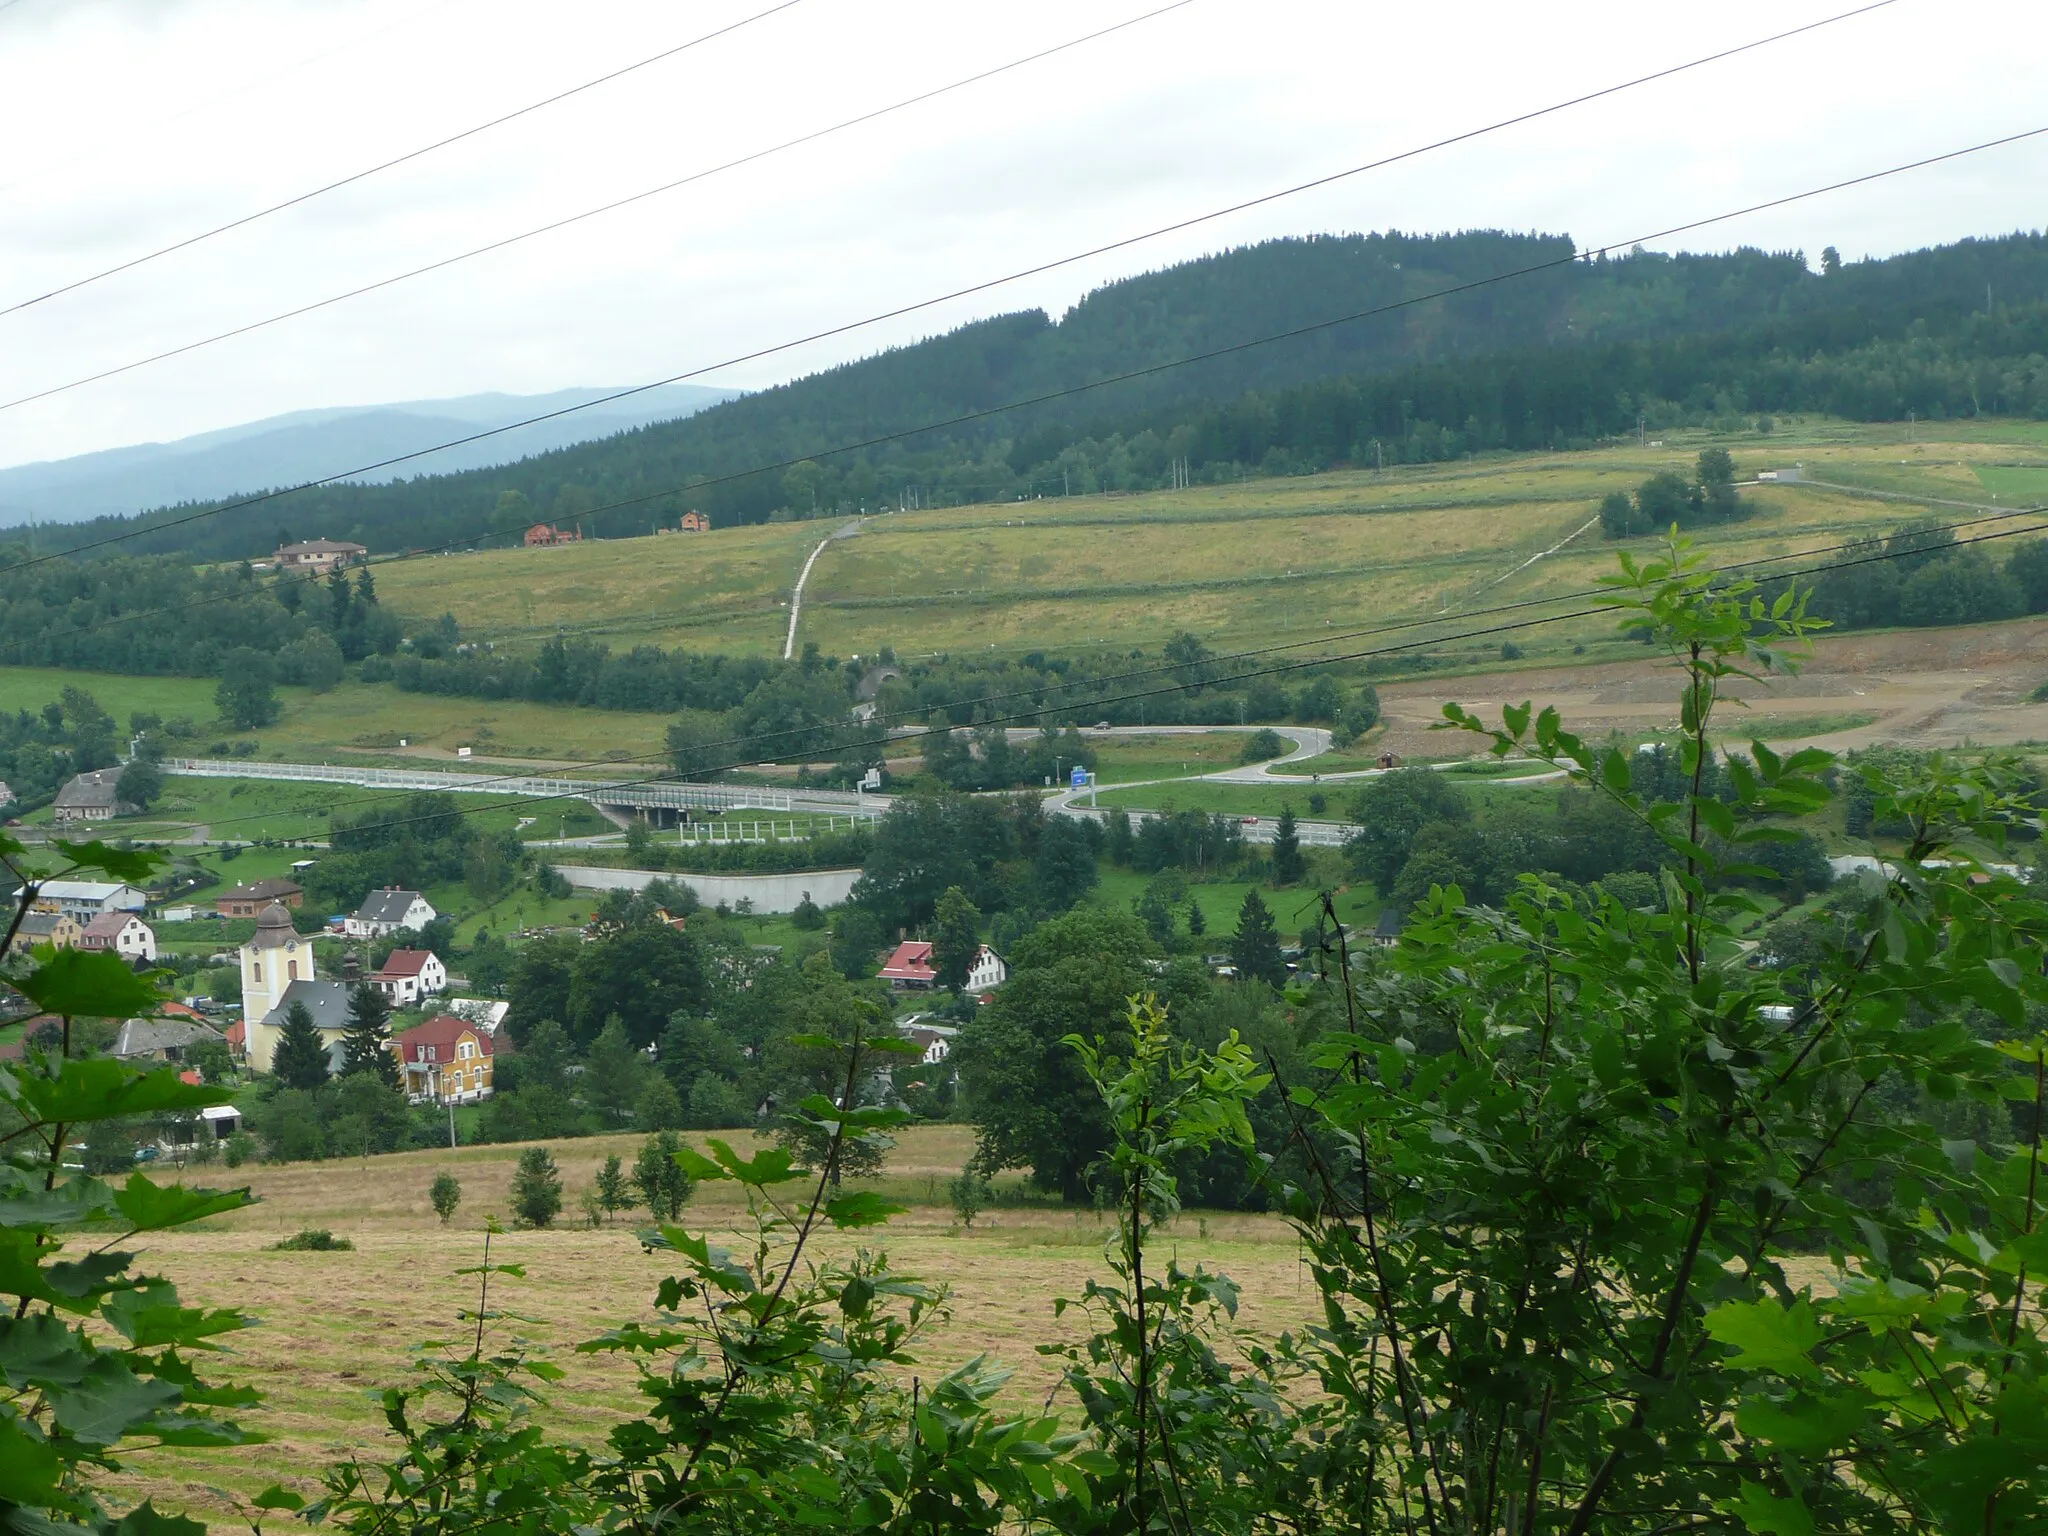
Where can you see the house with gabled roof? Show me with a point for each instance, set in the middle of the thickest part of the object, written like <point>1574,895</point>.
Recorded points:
<point>320,555</point>
<point>446,1060</point>
<point>407,975</point>
<point>120,933</point>
<point>384,912</point>
<point>91,796</point>
<point>59,930</point>
<point>909,967</point>
<point>248,900</point>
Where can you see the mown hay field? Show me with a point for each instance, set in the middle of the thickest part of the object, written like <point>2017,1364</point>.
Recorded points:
<point>1242,564</point>
<point>335,1329</point>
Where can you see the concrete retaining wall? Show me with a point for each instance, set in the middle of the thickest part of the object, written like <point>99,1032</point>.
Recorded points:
<point>769,893</point>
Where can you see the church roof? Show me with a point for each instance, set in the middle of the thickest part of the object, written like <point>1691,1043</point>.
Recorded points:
<point>327,1001</point>
<point>273,927</point>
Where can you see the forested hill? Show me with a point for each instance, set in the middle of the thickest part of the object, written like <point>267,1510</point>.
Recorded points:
<point>1563,355</point>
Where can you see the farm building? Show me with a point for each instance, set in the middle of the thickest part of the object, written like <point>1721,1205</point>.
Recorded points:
<point>318,555</point>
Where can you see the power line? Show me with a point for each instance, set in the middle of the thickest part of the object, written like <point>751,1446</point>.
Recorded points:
<point>414,154</point>
<point>1116,245</point>
<point>1068,392</point>
<point>1039,713</point>
<point>577,218</point>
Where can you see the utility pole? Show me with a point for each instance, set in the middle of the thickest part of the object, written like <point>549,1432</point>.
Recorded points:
<point>1642,429</point>
<point>451,1125</point>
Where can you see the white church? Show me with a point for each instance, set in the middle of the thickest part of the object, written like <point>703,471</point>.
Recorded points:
<point>277,971</point>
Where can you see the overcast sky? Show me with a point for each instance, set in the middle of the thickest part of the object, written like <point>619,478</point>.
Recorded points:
<point>127,124</point>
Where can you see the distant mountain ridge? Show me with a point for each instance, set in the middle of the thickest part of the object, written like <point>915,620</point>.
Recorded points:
<point>306,445</point>
<point>1269,358</point>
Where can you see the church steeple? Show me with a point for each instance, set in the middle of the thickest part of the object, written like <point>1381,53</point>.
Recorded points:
<point>274,957</point>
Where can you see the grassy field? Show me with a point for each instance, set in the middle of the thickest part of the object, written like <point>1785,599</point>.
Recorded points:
<point>358,721</point>
<point>1264,561</point>
<point>1234,799</point>
<point>336,1327</point>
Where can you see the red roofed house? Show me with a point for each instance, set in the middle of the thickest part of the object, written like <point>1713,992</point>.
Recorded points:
<point>446,1061</point>
<point>695,522</point>
<point>547,535</point>
<point>123,933</point>
<point>909,967</point>
<point>408,975</point>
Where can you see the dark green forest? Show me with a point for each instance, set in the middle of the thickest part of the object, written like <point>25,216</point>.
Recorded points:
<point>1562,356</point>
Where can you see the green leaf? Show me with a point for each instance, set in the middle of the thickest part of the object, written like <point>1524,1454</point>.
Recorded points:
<point>1768,1337</point>
<point>93,1088</point>
<point>29,1467</point>
<point>1768,1516</point>
<point>864,1208</point>
<point>697,1165</point>
<point>133,865</point>
<point>1805,1427</point>
<point>41,1351</point>
<point>110,1402</point>
<point>815,1043</point>
<point>152,1207</point>
<point>82,983</point>
<point>275,1497</point>
<point>772,1165</point>
<point>856,1296</point>
<point>147,1520</point>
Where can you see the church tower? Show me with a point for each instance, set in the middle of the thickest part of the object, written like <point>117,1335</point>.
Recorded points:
<point>271,961</point>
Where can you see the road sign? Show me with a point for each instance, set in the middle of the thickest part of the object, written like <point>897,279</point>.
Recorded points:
<point>873,779</point>
<point>1080,777</point>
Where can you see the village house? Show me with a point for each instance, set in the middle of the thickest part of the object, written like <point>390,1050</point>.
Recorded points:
<point>318,556</point>
<point>407,975</point>
<point>278,971</point>
<point>85,898</point>
<point>446,1061</point>
<point>121,933</point>
<point>695,522</point>
<point>384,912</point>
<point>909,967</point>
<point>547,536</point>
<point>1386,932</point>
<point>987,972</point>
<point>248,900</point>
<point>163,1039</point>
<point>91,796</point>
<point>935,1040</point>
<point>59,930</point>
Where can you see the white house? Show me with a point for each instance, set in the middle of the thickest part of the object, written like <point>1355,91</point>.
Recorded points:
<point>384,912</point>
<point>123,933</point>
<point>408,975</point>
<point>987,972</point>
<point>86,898</point>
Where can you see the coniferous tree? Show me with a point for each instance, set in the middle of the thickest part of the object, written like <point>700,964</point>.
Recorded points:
<point>366,1043</point>
<point>660,1178</point>
<point>536,1188</point>
<point>300,1060</point>
<point>614,1194</point>
<point>1255,947</point>
<point>1197,923</point>
<point>1288,868</point>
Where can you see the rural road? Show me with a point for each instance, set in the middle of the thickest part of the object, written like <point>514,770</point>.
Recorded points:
<point>796,598</point>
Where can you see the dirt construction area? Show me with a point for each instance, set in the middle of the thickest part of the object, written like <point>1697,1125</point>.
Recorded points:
<point>1910,688</point>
